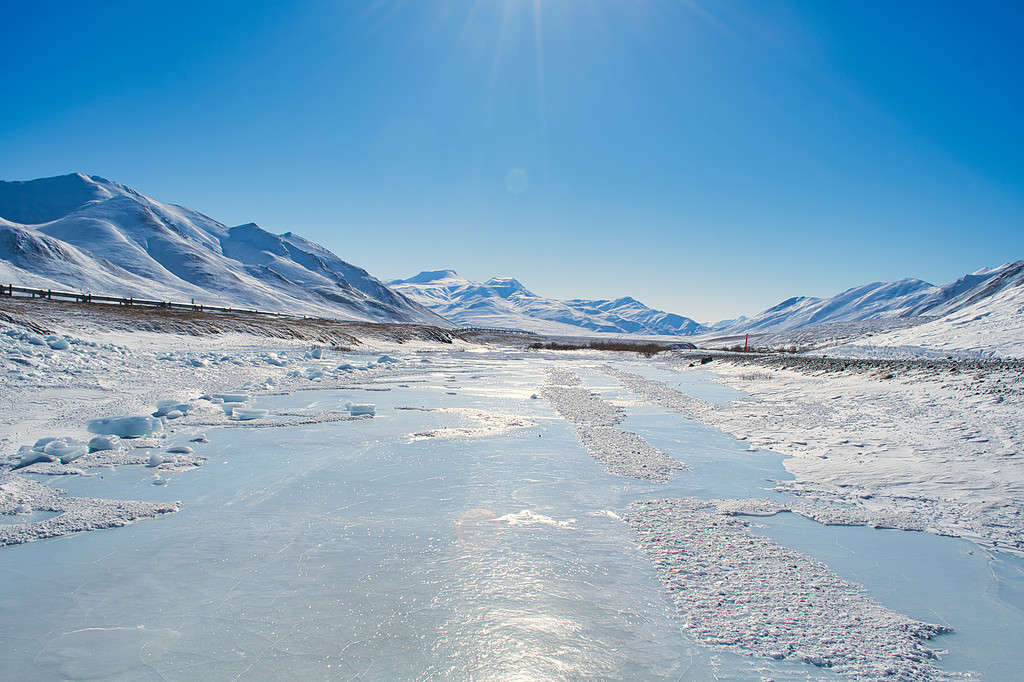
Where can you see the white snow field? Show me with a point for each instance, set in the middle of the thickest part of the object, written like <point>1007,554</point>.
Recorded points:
<point>227,505</point>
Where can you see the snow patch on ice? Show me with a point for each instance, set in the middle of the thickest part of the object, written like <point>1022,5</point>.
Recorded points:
<point>527,517</point>
<point>744,592</point>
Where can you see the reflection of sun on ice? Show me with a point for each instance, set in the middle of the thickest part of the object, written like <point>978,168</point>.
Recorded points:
<point>482,424</point>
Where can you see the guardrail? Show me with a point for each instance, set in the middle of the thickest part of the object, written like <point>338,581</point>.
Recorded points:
<point>500,330</point>
<point>11,290</point>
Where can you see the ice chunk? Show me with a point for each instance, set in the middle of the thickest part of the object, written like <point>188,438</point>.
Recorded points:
<point>125,427</point>
<point>180,450</point>
<point>386,360</point>
<point>356,409</point>
<point>314,373</point>
<point>174,414</point>
<point>155,460</point>
<point>201,438</point>
<point>274,359</point>
<point>247,413</point>
<point>56,342</point>
<point>65,449</point>
<point>346,367</point>
<point>30,456</point>
<point>103,443</point>
<point>231,397</point>
<point>164,407</point>
<point>35,341</point>
<point>41,443</point>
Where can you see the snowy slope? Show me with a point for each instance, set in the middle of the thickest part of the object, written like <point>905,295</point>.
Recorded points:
<point>878,299</point>
<point>83,232</point>
<point>981,313</point>
<point>505,302</point>
<point>906,298</point>
<point>968,290</point>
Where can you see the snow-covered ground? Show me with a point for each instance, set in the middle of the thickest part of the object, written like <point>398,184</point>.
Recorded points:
<point>938,447</point>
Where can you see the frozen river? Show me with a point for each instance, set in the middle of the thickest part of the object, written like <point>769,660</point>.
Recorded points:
<point>357,550</point>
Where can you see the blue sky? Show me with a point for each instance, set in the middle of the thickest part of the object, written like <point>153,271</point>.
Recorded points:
<point>707,158</point>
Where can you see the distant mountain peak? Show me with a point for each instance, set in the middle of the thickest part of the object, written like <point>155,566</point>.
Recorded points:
<point>506,302</point>
<point>427,276</point>
<point>32,202</point>
<point>507,285</point>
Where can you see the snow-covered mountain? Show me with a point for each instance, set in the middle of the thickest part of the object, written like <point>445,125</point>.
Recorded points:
<point>505,302</point>
<point>984,309</point>
<point>878,299</point>
<point>969,290</point>
<point>981,313</point>
<point>86,233</point>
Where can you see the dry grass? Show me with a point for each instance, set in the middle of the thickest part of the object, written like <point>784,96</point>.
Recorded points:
<point>645,349</point>
<point>38,314</point>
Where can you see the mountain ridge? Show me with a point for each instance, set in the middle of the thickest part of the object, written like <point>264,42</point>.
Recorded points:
<point>504,301</point>
<point>99,235</point>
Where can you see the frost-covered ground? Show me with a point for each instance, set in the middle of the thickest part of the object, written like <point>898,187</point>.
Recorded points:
<point>428,509</point>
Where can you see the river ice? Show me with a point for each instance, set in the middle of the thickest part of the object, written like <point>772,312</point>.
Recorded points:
<point>501,515</point>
